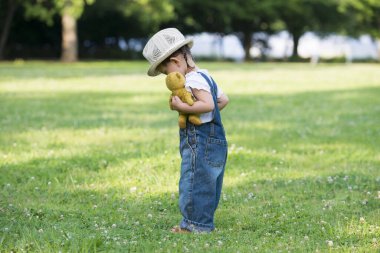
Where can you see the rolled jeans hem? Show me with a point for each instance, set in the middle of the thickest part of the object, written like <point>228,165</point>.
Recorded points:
<point>195,226</point>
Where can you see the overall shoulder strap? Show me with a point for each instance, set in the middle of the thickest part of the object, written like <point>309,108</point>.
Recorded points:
<point>213,86</point>
<point>214,93</point>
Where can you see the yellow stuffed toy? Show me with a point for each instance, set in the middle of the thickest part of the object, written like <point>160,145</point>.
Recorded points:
<point>175,82</point>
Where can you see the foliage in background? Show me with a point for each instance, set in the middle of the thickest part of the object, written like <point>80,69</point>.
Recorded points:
<point>364,16</point>
<point>114,19</point>
<point>45,10</point>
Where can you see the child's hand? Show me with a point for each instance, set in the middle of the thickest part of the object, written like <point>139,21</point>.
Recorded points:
<point>176,103</point>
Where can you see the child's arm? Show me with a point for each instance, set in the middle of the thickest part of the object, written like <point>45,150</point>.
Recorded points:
<point>222,101</point>
<point>203,104</point>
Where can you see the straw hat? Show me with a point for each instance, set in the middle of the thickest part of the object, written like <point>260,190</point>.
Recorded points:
<point>162,45</point>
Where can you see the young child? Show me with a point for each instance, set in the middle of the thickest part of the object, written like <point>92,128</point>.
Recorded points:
<point>203,148</point>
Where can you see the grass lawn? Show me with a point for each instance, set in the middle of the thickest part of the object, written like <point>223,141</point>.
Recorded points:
<point>89,159</point>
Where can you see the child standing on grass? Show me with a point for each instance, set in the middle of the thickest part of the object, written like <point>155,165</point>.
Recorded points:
<point>203,148</point>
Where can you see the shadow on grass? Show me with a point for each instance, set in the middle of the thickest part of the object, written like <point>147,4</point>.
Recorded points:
<point>253,120</point>
<point>22,112</point>
<point>345,116</point>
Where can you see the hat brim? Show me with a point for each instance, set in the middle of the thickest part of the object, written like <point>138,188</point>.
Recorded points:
<point>152,69</point>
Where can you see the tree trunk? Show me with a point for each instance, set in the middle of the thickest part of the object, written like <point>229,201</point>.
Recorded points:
<point>296,39</point>
<point>69,38</point>
<point>247,43</point>
<point>12,5</point>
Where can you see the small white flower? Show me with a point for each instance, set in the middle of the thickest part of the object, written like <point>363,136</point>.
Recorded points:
<point>32,178</point>
<point>207,245</point>
<point>362,220</point>
<point>330,243</point>
<point>8,185</point>
<point>250,195</point>
<point>6,229</point>
<point>95,206</point>
<point>220,243</point>
<point>133,189</point>
<point>113,225</point>
<point>40,230</point>
<point>330,179</point>
<point>150,216</point>
<point>306,238</point>
<point>49,183</point>
<point>345,178</point>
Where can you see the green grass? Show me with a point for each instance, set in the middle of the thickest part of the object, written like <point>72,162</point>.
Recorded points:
<point>89,159</point>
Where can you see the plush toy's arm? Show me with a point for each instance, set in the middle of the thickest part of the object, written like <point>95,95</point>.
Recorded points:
<point>170,101</point>
<point>187,98</point>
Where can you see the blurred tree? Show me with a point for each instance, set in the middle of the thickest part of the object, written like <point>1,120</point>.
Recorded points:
<point>300,16</point>
<point>105,22</point>
<point>135,18</point>
<point>363,17</point>
<point>195,16</point>
<point>250,16</point>
<point>98,20</point>
<point>225,16</point>
<point>70,11</point>
<point>45,10</point>
<point>150,14</point>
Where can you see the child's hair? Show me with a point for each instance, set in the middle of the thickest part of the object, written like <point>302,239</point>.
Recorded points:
<point>185,51</point>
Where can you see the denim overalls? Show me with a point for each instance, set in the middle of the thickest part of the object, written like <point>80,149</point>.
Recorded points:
<point>203,150</point>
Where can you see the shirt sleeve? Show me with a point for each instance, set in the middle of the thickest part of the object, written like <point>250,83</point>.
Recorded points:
<point>197,81</point>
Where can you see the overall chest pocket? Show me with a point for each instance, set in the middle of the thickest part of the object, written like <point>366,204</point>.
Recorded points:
<point>216,152</point>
